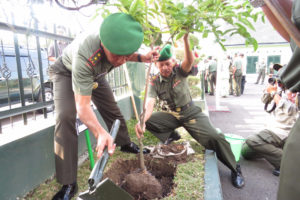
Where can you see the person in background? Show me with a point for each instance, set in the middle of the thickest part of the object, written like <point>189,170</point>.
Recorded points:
<point>289,187</point>
<point>79,78</point>
<point>262,66</point>
<point>171,85</point>
<point>211,73</point>
<point>204,68</point>
<point>61,45</point>
<point>223,76</point>
<point>237,75</point>
<point>269,142</point>
<point>244,70</point>
<point>271,69</point>
<point>231,81</point>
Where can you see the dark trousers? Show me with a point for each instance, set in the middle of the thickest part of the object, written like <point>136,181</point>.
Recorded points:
<point>231,85</point>
<point>289,171</point>
<point>212,81</point>
<point>265,144</point>
<point>243,82</point>
<point>261,74</point>
<point>237,85</point>
<point>65,138</point>
<point>162,124</point>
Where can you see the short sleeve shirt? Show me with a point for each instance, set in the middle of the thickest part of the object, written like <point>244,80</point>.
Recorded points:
<point>85,58</point>
<point>238,63</point>
<point>174,89</point>
<point>212,66</point>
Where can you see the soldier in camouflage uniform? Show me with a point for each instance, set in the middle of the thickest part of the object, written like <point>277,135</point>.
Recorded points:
<point>171,85</point>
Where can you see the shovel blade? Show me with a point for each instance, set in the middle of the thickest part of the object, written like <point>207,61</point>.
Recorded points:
<point>106,190</point>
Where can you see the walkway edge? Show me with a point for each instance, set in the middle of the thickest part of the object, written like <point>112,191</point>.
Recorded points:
<point>212,183</point>
<point>212,186</point>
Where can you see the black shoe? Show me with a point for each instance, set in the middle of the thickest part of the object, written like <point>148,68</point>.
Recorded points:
<point>237,177</point>
<point>66,192</point>
<point>173,137</point>
<point>133,148</point>
<point>211,94</point>
<point>276,172</point>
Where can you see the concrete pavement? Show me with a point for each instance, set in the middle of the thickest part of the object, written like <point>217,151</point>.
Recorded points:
<point>245,117</point>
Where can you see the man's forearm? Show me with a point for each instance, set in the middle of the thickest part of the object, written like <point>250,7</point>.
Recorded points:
<point>88,117</point>
<point>188,56</point>
<point>136,57</point>
<point>149,108</point>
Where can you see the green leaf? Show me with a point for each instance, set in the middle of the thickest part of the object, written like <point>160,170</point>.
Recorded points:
<point>263,18</point>
<point>205,34</point>
<point>247,23</point>
<point>133,7</point>
<point>180,34</point>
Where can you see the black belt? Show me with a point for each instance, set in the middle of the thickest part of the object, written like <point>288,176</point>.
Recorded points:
<point>183,108</point>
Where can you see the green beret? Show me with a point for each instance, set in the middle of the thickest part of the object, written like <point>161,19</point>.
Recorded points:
<point>165,53</point>
<point>121,34</point>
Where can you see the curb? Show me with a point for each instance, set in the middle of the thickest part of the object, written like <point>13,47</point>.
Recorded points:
<point>212,183</point>
<point>212,186</point>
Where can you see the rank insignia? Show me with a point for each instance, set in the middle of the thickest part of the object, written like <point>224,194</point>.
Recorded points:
<point>95,85</point>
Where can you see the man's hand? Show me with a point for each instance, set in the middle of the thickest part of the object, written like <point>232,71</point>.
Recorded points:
<point>104,140</point>
<point>272,88</point>
<point>138,130</point>
<point>151,54</point>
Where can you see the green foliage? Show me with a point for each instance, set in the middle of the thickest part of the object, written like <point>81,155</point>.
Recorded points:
<point>199,16</point>
<point>193,80</point>
<point>194,41</point>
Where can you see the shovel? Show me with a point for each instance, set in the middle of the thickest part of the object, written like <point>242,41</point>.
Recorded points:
<point>105,189</point>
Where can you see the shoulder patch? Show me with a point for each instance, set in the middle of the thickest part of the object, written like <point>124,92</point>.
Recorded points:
<point>153,78</point>
<point>96,57</point>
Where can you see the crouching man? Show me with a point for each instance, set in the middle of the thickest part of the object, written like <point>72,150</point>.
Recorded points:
<point>269,142</point>
<point>171,86</point>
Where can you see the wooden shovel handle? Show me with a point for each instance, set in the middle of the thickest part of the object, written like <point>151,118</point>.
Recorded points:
<point>284,20</point>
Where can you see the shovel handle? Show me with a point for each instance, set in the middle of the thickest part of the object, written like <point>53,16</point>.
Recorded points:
<point>278,11</point>
<point>97,172</point>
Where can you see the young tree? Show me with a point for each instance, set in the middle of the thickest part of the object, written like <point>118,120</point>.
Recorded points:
<point>222,18</point>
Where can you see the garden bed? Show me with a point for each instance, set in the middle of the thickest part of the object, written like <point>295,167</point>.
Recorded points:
<point>181,177</point>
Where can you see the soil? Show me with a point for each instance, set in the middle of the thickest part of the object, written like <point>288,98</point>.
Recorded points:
<point>157,183</point>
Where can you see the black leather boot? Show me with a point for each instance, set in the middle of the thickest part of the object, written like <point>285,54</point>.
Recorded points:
<point>276,172</point>
<point>133,148</point>
<point>66,192</point>
<point>237,177</point>
<point>173,137</point>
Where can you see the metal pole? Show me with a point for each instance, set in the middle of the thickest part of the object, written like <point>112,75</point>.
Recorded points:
<point>38,47</point>
<point>20,77</point>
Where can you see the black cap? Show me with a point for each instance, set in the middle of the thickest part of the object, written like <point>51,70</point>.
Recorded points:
<point>277,67</point>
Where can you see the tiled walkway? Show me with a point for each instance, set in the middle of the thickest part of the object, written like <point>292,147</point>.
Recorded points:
<point>245,117</point>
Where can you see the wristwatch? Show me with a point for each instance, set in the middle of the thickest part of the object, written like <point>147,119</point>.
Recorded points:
<point>257,3</point>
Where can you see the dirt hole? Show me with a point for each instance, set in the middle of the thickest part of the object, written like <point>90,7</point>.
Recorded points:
<point>127,175</point>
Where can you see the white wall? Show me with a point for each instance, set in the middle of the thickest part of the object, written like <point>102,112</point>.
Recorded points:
<point>264,51</point>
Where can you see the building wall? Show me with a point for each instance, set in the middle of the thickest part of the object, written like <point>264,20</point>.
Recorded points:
<point>264,51</point>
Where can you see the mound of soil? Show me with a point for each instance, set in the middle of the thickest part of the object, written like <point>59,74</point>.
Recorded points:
<point>143,184</point>
<point>156,184</point>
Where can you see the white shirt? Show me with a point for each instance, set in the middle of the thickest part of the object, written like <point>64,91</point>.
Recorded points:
<point>244,66</point>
